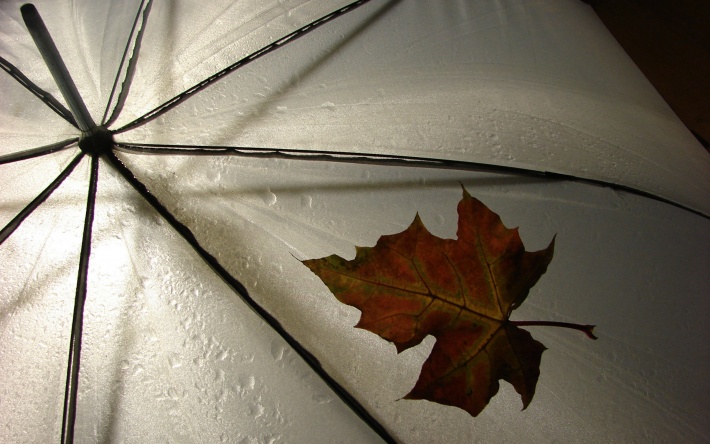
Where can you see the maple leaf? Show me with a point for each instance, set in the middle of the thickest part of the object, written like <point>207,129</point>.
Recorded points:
<point>461,291</point>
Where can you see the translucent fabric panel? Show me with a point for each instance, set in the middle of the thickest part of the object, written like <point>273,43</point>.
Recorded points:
<point>172,354</point>
<point>37,285</point>
<point>631,265</point>
<point>26,122</point>
<point>187,41</point>
<point>90,35</point>
<point>169,352</point>
<point>23,181</point>
<point>539,85</point>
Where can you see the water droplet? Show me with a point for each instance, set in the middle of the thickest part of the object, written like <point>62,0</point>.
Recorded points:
<point>306,201</point>
<point>172,393</point>
<point>268,197</point>
<point>256,409</point>
<point>277,351</point>
<point>174,360</point>
<point>322,398</point>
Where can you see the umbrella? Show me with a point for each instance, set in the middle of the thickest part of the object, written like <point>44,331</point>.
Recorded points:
<point>331,131</point>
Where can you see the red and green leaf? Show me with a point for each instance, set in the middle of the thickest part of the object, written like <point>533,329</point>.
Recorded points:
<point>413,284</point>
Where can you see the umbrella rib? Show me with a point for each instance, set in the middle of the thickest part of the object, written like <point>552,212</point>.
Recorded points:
<point>143,10</point>
<point>43,95</point>
<point>300,32</point>
<point>37,152</point>
<point>37,201</point>
<point>384,160</point>
<point>72,385</point>
<point>242,292</point>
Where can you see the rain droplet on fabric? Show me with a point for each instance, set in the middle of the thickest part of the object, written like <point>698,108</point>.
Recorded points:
<point>277,351</point>
<point>268,197</point>
<point>256,409</point>
<point>173,393</point>
<point>174,360</point>
<point>220,396</point>
<point>322,398</point>
<point>247,382</point>
<point>306,201</point>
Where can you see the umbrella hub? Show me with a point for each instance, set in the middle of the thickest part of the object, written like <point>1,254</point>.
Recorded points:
<point>96,141</point>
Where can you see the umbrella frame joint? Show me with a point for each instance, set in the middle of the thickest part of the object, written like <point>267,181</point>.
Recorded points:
<point>96,141</point>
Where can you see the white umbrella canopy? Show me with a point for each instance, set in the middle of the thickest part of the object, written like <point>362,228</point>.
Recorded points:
<point>171,353</point>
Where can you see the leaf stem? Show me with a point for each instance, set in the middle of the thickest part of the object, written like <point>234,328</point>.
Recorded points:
<point>586,329</point>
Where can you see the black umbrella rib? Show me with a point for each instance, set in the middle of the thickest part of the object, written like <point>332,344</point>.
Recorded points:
<point>143,11</point>
<point>37,201</point>
<point>37,152</point>
<point>71,391</point>
<point>322,156</point>
<point>385,160</point>
<point>43,95</point>
<point>242,292</point>
<point>300,32</point>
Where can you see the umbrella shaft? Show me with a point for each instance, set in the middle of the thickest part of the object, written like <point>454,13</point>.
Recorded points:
<point>56,66</point>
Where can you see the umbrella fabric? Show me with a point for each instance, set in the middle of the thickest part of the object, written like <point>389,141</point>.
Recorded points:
<point>172,354</point>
